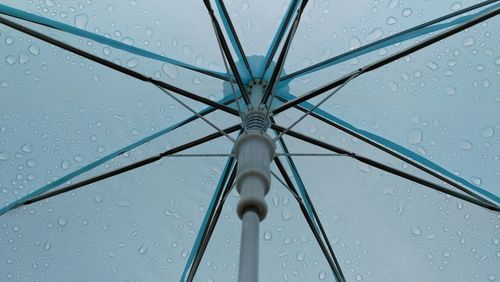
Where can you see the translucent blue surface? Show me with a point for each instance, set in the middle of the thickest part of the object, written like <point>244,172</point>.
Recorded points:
<point>64,118</point>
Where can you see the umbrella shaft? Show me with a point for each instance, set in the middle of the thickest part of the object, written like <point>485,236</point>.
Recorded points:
<point>249,251</point>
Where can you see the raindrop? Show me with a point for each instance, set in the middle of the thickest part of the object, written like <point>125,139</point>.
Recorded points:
<point>464,145</point>
<point>143,249</point>
<point>47,246</point>
<point>468,41</point>
<point>62,221</point>
<point>196,80</point>
<point>27,148</point>
<point>11,59</point>
<point>99,197</point>
<point>268,235</point>
<point>4,156</point>
<point>81,21</point>
<point>406,12</point>
<point>392,4</point>
<point>450,90</point>
<point>322,275</point>
<point>128,41</point>
<point>132,63</point>
<point>497,61</point>
<point>415,137</point>
<point>31,163</point>
<point>50,3</point>
<point>23,58</point>
<point>354,42</point>
<point>375,34</point>
<point>391,20</point>
<point>300,256</point>
<point>456,6</point>
<point>393,86</point>
<point>416,231</point>
<point>487,132</point>
<point>79,158</point>
<point>171,71</point>
<point>492,277</point>
<point>9,40</point>
<point>65,164</point>
<point>431,65</point>
<point>245,6</point>
<point>359,277</point>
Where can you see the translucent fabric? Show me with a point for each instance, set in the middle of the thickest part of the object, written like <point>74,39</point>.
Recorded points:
<point>65,119</point>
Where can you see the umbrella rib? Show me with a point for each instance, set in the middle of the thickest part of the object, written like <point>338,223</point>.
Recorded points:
<point>322,238</point>
<point>213,219</point>
<point>390,152</point>
<point>116,67</point>
<point>227,52</point>
<point>25,16</point>
<point>277,40</point>
<point>353,76</point>
<point>273,81</point>
<point>384,42</point>
<point>232,34</point>
<point>198,115</point>
<point>389,59</point>
<point>228,70</point>
<point>128,167</point>
<point>391,170</point>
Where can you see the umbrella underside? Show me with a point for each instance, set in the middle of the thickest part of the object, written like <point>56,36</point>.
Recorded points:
<point>386,144</point>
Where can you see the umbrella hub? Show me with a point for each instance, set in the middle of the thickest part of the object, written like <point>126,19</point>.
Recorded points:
<point>256,88</point>
<point>254,150</point>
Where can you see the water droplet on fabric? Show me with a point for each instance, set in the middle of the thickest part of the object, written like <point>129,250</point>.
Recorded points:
<point>468,41</point>
<point>391,20</point>
<point>27,148</point>
<point>415,136</point>
<point>4,156</point>
<point>81,21</point>
<point>487,132</point>
<point>464,145</point>
<point>65,164</point>
<point>415,230</point>
<point>142,249</point>
<point>99,197</point>
<point>62,221</point>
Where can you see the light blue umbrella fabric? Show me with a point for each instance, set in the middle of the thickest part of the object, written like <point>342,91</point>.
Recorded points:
<point>65,118</point>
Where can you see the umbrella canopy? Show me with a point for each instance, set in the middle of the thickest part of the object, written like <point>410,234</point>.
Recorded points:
<point>384,115</point>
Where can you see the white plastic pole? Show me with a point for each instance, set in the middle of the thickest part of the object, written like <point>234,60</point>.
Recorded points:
<point>254,150</point>
<point>249,251</point>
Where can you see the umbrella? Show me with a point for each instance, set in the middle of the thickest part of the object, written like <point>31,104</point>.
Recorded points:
<point>371,126</point>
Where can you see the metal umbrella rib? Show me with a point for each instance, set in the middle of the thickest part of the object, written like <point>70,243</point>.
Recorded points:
<point>214,217</point>
<point>130,166</point>
<point>388,59</point>
<point>395,38</point>
<point>273,81</point>
<point>279,36</point>
<point>116,67</point>
<point>227,52</point>
<point>15,13</point>
<point>389,169</point>
<point>393,153</point>
<point>313,222</point>
<point>233,36</point>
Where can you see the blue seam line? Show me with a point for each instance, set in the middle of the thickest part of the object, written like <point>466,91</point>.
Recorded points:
<point>232,38</point>
<point>9,11</point>
<point>204,224</point>
<point>398,148</point>
<point>282,25</point>
<point>395,40</point>
<point>99,162</point>
<point>302,190</point>
<point>301,186</point>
